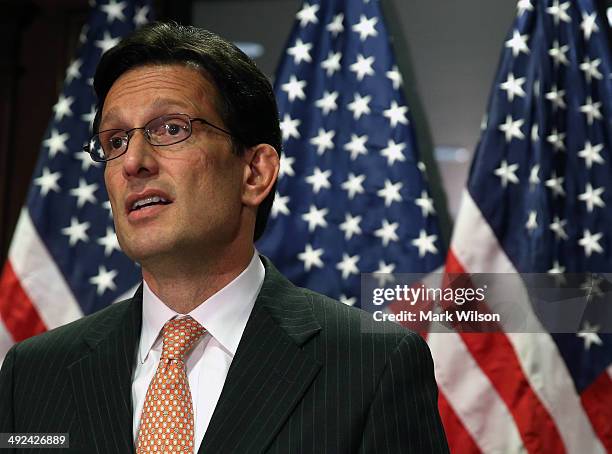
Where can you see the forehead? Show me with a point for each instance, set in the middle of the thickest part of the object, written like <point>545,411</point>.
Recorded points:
<point>151,89</point>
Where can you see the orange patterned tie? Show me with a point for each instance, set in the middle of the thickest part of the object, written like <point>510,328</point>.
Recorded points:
<point>166,423</point>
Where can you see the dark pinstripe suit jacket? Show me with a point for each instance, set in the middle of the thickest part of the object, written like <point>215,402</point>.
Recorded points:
<point>310,376</point>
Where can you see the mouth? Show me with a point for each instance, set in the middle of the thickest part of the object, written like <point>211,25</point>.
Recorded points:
<point>140,202</point>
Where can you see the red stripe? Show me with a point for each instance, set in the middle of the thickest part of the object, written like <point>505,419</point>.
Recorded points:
<point>16,310</point>
<point>498,361</point>
<point>597,402</point>
<point>459,439</point>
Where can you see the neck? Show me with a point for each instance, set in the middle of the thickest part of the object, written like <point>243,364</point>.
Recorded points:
<point>183,287</point>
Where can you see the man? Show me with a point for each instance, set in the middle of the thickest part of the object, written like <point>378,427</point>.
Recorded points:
<point>217,352</point>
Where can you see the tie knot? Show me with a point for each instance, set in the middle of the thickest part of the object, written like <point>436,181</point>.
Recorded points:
<point>179,335</point>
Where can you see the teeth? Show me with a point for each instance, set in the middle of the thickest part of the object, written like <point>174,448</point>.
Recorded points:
<point>147,201</point>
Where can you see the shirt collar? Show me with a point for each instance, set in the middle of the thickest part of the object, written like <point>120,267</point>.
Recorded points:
<point>224,314</point>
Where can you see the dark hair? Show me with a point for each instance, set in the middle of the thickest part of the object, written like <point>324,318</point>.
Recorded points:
<point>246,101</point>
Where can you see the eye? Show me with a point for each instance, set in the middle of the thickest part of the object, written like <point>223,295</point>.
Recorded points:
<point>116,143</point>
<point>174,129</point>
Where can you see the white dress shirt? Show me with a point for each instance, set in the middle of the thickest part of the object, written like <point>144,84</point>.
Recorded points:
<point>224,315</point>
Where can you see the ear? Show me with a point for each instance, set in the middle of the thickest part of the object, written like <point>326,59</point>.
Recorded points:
<point>260,173</point>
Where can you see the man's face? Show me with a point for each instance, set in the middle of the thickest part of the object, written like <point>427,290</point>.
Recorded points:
<point>192,189</point>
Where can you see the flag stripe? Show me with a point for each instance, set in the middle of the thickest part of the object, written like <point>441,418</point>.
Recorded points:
<point>40,278</point>
<point>471,395</point>
<point>538,358</point>
<point>462,441</point>
<point>597,401</point>
<point>19,315</point>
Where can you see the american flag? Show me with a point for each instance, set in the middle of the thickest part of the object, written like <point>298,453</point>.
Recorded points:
<point>537,201</point>
<point>64,261</point>
<point>353,195</point>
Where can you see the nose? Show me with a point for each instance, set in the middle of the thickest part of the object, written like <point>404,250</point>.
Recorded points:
<point>140,160</point>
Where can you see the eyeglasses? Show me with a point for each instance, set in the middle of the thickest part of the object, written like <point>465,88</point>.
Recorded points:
<point>160,132</point>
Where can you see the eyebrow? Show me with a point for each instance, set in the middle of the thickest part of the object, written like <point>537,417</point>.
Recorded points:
<point>158,103</point>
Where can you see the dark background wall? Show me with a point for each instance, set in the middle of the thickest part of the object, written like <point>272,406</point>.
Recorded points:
<point>447,49</point>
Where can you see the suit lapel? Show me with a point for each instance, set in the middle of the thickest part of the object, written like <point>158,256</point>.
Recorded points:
<point>102,379</point>
<point>269,373</point>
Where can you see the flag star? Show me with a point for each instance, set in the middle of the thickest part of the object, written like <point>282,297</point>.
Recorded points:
<point>512,128</point>
<point>315,218</point>
<point>558,228</point>
<point>426,204</point>
<point>286,166</point>
<point>484,123</point>
<point>591,110</point>
<point>109,241</point>
<point>384,273</point>
<point>395,77</point>
<point>107,205</point>
<point>360,105</point>
<point>387,232</point>
<point>84,193</point>
<point>518,43</point>
<point>350,226</point>
<point>558,53</point>
<point>524,5</point>
<point>590,154</point>
<point>422,167</point>
<point>335,27</point>
<point>363,66</point>
<point>393,152</point>
<point>319,180</point>
<point>311,257</point>
<point>391,192</point>
<point>556,139</point>
<point>332,63</point>
<point>588,24</point>
<point>141,16</point>
<point>366,27</point>
<point>308,15</point>
<point>56,143</point>
<point>592,197</point>
<point>107,42</point>
<point>556,97</point>
<point>354,185</point>
<point>589,335</point>
<point>73,71</point>
<point>280,205</point>
<point>557,268</point>
<point>534,133</point>
<point>513,87</point>
<point>507,173</point>
<point>559,12</point>
<point>86,161</point>
<point>114,11</point>
<point>396,114</point>
<point>346,300</point>
<point>323,141</point>
<point>300,52</point>
<point>48,181</point>
<point>83,34</point>
<point>294,88</point>
<point>534,177</point>
<point>357,146</point>
<point>348,265</point>
<point>556,185</point>
<point>289,127</point>
<point>328,102</point>
<point>425,243</point>
<point>89,116</point>
<point>590,68</point>
<point>590,242</point>
<point>532,221</point>
<point>62,107</point>
<point>77,231</point>
<point>104,280</point>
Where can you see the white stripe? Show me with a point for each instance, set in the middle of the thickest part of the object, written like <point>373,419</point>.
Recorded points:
<point>6,341</point>
<point>469,391</point>
<point>128,294</point>
<point>540,360</point>
<point>40,277</point>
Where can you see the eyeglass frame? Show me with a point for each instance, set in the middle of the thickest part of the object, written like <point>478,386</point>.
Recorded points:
<point>86,148</point>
